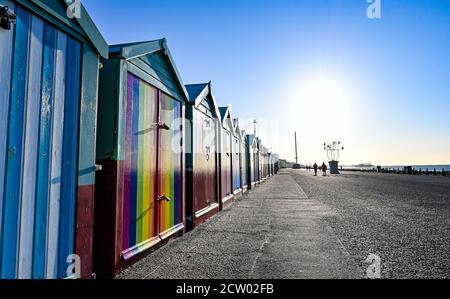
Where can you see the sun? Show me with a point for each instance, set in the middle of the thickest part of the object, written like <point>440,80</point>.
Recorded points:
<point>323,95</point>
<point>323,104</point>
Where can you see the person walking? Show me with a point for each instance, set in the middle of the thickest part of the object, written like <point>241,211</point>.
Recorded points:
<point>316,167</point>
<point>324,169</point>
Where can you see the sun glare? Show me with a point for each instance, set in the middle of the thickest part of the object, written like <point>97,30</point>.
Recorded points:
<point>324,102</point>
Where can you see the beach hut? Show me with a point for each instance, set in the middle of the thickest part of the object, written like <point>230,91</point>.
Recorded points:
<point>258,161</point>
<point>245,162</point>
<point>251,153</point>
<point>226,157</point>
<point>271,164</point>
<point>202,165</point>
<point>276,163</point>
<point>236,153</point>
<point>49,65</point>
<point>265,163</point>
<point>140,192</point>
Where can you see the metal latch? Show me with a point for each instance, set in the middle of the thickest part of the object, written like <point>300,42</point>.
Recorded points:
<point>163,197</point>
<point>208,152</point>
<point>7,17</point>
<point>161,125</point>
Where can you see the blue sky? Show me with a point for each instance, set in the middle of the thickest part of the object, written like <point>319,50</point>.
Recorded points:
<point>319,67</point>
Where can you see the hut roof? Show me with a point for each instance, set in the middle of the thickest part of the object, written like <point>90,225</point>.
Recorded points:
<point>133,51</point>
<point>198,92</point>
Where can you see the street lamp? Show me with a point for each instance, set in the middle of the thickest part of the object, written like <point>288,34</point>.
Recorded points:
<point>333,152</point>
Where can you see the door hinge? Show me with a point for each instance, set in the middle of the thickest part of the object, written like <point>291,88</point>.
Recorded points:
<point>7,17</point>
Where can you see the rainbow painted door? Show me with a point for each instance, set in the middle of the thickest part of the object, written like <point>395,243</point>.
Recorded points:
<point>152,200</point>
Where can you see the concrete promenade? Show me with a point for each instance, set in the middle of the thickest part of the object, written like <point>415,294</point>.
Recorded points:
<point>296,225</point>
<point>274,231</point>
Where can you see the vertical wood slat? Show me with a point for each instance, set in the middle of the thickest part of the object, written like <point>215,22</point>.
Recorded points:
<point>127,165</point>
<point>146,175</point>
<point>44,157</point>
<point>86,158</point>
<point>14,147</point>
<point>140,162</point>
<point>6,43</point>
<point>30,152</point>
<point>56,157</point>
<point>134,162</point>
<point>69,157</point>
<point>177,214</point>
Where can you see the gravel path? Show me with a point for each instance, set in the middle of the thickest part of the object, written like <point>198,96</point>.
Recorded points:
<point>403,219</point>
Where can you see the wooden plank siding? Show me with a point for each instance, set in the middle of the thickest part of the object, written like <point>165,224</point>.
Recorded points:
<point>48,71</point>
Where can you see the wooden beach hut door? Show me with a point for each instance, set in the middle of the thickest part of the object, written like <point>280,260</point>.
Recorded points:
<point>152,174</point>
<point>169,197</point>
<point>236,165</point>
<point>40,70</point>
<point>226,164</point>
<point>205,164</point>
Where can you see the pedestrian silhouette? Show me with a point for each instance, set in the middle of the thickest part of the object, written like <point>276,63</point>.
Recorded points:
<point>324,169</point>
<point>316,167</point>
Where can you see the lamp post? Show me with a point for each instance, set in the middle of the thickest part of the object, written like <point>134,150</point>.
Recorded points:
<point>333,152</point>
<point>296,165</point>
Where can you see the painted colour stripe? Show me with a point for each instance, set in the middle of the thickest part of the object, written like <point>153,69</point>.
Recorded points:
<point>140,162</point>
<point>146,156</point>
<point>127,166</point>
<point>134,154</point>
<point>70,154</point>
<point>30,152</point>
<point>44,158</point>
<point>56,157</point>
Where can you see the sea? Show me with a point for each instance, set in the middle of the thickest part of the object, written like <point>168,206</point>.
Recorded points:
<point>416,167</point>
<point>422,167</point>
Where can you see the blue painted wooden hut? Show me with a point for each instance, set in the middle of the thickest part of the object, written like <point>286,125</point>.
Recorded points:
<point>49,66</point>
<point>140,201</point>
<point>203,122</point>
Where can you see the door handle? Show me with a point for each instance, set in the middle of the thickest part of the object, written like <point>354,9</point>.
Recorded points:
<point>163,197</point>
